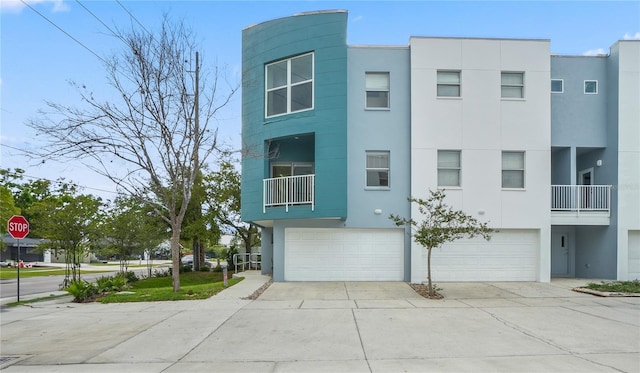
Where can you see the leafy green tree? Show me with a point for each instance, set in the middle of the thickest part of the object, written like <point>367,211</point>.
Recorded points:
<point>71,223</point>
<point>8,207</point>
<point>131,229</point>
<point>196,227</point>
<point>440,224</point>
<point>222,190</point>
<point>26,193</point>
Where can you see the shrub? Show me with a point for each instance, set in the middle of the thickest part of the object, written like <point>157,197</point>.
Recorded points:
<point>104,284</point>
<point>82,290</point>
<point>129,276</point>
<point>217,268</point>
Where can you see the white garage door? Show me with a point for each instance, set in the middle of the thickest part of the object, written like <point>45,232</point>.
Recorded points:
<point>510,255</point>
<point>324,254</point>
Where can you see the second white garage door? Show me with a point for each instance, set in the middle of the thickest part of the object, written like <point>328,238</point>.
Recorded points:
<point>329,254</point>
<point>510,255</point>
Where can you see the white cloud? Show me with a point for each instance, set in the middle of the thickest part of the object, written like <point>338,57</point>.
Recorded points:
<point>628,36</point>
<point>595,52</point>
<point>16,6</point>
<point>357,19</point>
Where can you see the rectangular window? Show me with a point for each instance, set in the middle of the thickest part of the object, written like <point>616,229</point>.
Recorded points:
<point>557,86</point>
<point>289,85</point>
<point>448,168</point>
<point>590,87</point>
<point>377,169</point>
<point>377,86</point>
<point>513,170</point>
<point>512,85</point>
<point>448,84</point>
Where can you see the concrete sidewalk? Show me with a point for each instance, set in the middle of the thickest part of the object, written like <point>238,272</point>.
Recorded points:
<point>334,327</point>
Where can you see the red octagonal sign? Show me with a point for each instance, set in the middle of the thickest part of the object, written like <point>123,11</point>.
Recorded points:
<point>18,227</point>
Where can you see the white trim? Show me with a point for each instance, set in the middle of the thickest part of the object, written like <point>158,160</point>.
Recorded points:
<point>557,80</point>
<point>584,87</point>
<point>289,85</point>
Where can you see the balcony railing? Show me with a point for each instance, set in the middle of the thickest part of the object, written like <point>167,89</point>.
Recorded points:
<point>577,198</point>
<point>289,191</point>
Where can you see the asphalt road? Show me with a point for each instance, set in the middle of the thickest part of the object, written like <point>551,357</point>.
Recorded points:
<point>44,284</point>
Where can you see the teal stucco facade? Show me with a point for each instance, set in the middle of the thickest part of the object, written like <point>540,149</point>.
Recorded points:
<point>317,136</point>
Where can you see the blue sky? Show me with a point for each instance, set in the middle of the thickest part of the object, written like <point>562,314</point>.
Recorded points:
<point>37,60</point>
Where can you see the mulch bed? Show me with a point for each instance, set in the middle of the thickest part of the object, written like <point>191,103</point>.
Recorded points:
<point>423,290</point>
<point>258,292</point>
<point>605,293</point>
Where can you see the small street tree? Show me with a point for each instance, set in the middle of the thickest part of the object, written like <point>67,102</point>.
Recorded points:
<point>222,190</point>
<point>130,229</point>
<point>70,222</point>
<point>440,224</point>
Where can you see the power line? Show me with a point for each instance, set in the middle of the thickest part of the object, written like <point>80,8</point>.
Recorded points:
<point>63,31</point>
<point>133,17</point>
<point>100,20</point>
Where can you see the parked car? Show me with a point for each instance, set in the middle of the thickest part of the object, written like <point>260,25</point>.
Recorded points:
<point>187,260</point>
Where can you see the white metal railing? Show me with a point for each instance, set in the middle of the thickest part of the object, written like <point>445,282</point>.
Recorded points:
<point>288,191</point>
<point>578,198</point>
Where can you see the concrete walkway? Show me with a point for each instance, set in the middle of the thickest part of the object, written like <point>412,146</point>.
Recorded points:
<point>333,327</point>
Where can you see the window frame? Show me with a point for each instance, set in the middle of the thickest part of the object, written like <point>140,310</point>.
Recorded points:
<point>377,169</point>
<point>367,90</point>
<point>523,169</point>
<point>585,87</point>
<point>511,85</point>
<point>561,83</point>
<point>439,84</point>
<point>289,85</point>
<point>459,168</point>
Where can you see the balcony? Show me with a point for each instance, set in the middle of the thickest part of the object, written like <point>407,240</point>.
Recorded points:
<point>289,191</point>
<point>580,204</point>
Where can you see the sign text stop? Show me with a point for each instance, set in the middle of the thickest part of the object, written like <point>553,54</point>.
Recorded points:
<point>18,227</point>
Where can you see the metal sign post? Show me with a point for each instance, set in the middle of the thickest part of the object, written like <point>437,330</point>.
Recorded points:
<point>18,228</point>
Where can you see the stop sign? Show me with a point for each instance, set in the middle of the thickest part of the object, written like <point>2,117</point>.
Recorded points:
<point>18,227</point>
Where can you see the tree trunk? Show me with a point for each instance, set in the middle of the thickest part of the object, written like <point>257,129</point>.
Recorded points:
<point>197,259</point>
<point>175,258</point>
<point>431,293</point>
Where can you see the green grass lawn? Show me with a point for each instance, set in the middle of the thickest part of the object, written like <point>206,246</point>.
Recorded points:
<point>616,286</point>
<point>37,272</point>
<point>193,285</point>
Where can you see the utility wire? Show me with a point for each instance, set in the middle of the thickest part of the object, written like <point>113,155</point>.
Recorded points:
<point>133,17</point>
<point>103,24</point>
<point>63,31</point>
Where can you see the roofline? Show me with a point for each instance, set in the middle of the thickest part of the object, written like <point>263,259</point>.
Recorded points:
<point>475,38</point>
<point>299,14</point>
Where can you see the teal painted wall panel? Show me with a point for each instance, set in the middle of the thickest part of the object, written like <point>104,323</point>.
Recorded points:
<point>324,34</point>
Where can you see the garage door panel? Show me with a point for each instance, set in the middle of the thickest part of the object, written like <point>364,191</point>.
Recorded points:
<point>510,255</point>
<point>323,254</point>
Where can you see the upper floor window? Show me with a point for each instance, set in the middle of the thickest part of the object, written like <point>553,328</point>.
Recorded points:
<point>513,170</point>
<point>377,85</point>
<point>557,86</point>
<point>289,85</point>
<point>377,169</point>
<point>590,87</point>
<point>448,84</point>
<point>512,85</point>
<point>448,168</point>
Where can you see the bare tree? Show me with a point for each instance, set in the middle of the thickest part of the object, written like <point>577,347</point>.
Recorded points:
<point>153,137</point>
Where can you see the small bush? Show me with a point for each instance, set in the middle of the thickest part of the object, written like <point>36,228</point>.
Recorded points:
<point>166,272</point>
<point>129,276</point>
<point>104,284</point>
<point>82,291</point>
<point>217,268</point>
<point>185,269</point>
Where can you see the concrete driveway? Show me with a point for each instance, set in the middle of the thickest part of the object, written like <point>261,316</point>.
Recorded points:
<point>335,327</point>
